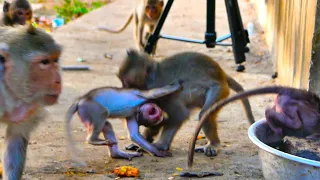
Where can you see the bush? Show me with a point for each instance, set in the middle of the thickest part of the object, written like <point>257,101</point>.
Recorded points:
<point>71,9</point>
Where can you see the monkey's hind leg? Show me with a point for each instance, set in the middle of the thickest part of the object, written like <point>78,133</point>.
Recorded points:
<point>108,133</point>
<point>92,116</point>
<point>210,128</point>
<point>177,113</point>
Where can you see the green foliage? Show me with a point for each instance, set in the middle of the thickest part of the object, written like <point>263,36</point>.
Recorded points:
<point>71,9</point>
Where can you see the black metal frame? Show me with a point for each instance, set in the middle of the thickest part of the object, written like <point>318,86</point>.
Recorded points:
<point>238,34</point>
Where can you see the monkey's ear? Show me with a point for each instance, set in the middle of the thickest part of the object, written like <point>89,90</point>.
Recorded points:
<point>161,3</point>
<point>6,6</point>
<point>132,52</point>
<point>31,29</point>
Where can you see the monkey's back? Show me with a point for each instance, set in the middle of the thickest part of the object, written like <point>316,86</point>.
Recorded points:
<point>118,102</point>
<point>193,66</point>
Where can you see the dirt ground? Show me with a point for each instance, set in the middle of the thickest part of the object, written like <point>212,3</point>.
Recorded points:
<point>238,158</point>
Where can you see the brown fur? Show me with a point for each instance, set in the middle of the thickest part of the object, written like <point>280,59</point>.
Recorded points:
<point>146,14</point>
<point>204,84</point>
<point>18,12</point>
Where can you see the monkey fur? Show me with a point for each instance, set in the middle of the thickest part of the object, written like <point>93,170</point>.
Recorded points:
<point>18,12</point>
<point>295,113</point>
<point>30,80</point>
<point>110,102</point>
<point>146,14</point>
<point>204,83</point>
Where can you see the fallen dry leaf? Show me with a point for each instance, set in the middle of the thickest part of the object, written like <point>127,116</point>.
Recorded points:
<point>122,138</point>
<point>179,169</point>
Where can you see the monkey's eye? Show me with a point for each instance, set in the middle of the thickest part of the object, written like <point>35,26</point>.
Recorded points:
<point>20,13</point>
<point>45,61</point>
<point>28,13</point>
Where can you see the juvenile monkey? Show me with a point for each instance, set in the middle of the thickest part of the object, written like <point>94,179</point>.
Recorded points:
<point>110,102</point>
<point>204,83</point>
<point>18,12</point>
<point>29,80</point>
<point>295,113</point>
<point>146,14</point>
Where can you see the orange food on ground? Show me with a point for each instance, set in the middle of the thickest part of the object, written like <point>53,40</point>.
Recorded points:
<point>200,137</point>
<point>126,171</point>
<point>1,169</point>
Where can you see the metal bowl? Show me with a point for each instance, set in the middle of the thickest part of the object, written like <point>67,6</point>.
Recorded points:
<point>277,164</point>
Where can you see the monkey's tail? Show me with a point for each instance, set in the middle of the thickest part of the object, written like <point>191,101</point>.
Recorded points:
<point>71,146</point>
<point>217,106</point>
<point>119,30</point>
<point>234,85</point>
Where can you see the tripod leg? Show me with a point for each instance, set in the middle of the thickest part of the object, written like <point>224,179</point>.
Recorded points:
<point>153,38</point>
<point>238,34</point>
<point>211,35</point>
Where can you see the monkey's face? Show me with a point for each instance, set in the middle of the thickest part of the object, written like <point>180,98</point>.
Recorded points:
<point>134,70</point>
<point>21,16</point>
<point>31,66</point>
<point>150,115</point>
<point>153,11</point>
<point>42,80</point>
<point>45,77</point>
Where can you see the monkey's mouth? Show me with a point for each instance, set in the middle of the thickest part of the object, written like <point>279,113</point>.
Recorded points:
<point>154,113</point>
<point>50,99</point>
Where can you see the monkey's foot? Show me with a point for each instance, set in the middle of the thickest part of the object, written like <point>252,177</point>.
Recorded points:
<point>161,153</point>
<point>161,146</point>
<point>125,155</point>
<point>208,150</point>
<point>101,142</point>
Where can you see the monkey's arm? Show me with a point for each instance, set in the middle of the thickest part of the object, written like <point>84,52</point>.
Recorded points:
<point>15,152</point>
<point>160,92</point>
<point>133,128</point>
<point>108,133</point>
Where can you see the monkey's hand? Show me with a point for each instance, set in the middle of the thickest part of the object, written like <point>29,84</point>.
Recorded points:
<point>116,153</point>
<point>289,113</point>
<point>136,137</point>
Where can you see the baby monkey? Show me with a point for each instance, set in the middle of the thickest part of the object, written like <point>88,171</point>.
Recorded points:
<point>295,112</point>
<point>18,12</point>
<point>146,14</point>
<point>110,102</point>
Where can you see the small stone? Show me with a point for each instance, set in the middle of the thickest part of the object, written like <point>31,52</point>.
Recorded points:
<point>91,171</point>
<point>108,56</point>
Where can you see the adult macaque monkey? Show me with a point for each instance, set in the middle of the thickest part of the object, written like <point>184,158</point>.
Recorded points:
<point>18,12</point>
<point>109,102</point>
<point>147,13</point>
<point>295,113</point>
<point>204,83</point>
<point>30,80</point>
